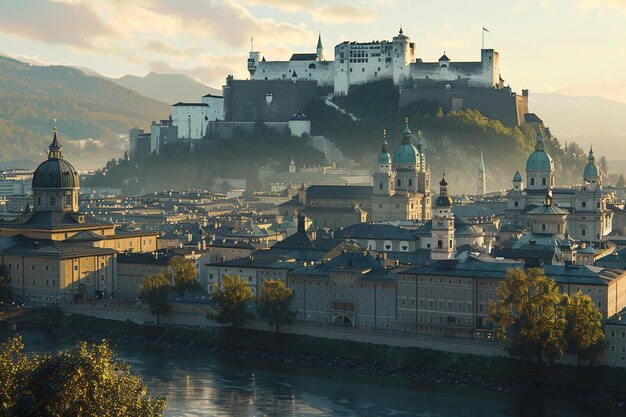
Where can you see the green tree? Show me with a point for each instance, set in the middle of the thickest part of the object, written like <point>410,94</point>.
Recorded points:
<point>530,314</point>
<point>153,291</point>
<point>232,297</point>
<point>274,303</point>
<point>83,381</point>
<point>185,275</point>
<point>583,331</point>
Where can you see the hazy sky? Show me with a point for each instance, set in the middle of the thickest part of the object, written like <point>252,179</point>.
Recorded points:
<point>544,45</point>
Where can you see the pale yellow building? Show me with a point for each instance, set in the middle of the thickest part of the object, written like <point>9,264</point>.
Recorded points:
<point>53,252</point>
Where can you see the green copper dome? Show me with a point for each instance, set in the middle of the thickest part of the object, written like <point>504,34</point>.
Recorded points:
<point>384,158</point>
<point>517,177</point>
<point>539,160</point>
<point>406,154</point>
<point>592,171</point>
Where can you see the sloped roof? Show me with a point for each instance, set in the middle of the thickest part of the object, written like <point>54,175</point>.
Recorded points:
<point>472,268</point>
<point>303,57</point>
<point>339,191</point>
<point>374,231</point>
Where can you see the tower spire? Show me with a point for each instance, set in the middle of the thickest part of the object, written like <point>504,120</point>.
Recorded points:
<point>55,146</point>
<point>481,188</point>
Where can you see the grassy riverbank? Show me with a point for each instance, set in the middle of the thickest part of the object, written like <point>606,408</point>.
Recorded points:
<point>506,370</point>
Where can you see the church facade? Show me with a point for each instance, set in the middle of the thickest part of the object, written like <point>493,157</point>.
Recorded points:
<point>585,207</point>
<point>400,191</point>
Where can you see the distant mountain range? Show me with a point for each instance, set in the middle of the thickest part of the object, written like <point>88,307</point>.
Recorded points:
<point>168,88</point>
<point>585,120</point>
<point>93,114</point>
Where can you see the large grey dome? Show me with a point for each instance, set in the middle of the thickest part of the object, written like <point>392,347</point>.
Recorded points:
<point>55,172</point>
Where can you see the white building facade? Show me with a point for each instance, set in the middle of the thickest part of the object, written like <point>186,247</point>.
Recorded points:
<point>359,63</point>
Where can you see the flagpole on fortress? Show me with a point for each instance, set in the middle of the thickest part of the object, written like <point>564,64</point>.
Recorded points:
<point>483,33</point>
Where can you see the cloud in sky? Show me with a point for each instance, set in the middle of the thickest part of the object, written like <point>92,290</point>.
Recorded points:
<point>342,13</point>
<point>49,22</point>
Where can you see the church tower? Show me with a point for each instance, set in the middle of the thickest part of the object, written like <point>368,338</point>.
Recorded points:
<point>55,182</point>
<point>384,176</point>
<point>443,244</point>
<point>320,48</point>
<point>592,175</point>
<point>481,188</point>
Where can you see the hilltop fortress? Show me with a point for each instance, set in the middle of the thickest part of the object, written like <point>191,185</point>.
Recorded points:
<point>279,92</point>
<point>454,85</point>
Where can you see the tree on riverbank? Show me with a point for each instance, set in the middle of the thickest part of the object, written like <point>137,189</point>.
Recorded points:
<point>84,381</point>
<point>232,297</point>
<point>153,291</point>
<point>185,275</point>
<point>274,303</point>
<point>584,328</point>
<point>530,314</point>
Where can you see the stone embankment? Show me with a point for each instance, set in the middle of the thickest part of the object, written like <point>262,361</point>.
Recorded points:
<point>309,360</point>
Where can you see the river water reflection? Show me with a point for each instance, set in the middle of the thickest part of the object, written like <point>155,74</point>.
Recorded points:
<point>197,384</point>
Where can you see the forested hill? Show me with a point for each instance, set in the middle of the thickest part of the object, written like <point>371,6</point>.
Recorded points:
<point>452,141</point>
<point>92,113</point>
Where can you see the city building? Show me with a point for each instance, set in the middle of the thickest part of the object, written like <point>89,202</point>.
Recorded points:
<point>401,191</point>
<point>585,207</point>
<point>52,251</point>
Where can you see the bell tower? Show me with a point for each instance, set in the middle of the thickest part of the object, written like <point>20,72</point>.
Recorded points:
<point>443,244</point>
<point>384,176</point>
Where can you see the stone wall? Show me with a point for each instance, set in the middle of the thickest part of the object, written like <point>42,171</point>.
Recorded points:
<point>500,104</point>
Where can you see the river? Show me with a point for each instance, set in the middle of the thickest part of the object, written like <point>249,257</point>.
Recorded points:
<point>197,384</point>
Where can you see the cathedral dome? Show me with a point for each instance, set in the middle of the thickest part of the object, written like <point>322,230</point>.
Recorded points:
<point>539,160</point>
<point>55,172</point>
<point>406,153</point>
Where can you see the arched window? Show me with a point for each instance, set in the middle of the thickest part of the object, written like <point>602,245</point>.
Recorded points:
<point>439,244</point>
<point>380,186</point>
<point>583,232</point>
<point>312,66</point>
<point>410,182</point>
<point>371,244</point>
<point>404,246</point>
<point>53,201</point>
<point>387,245</point>
<point>398,182</point>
